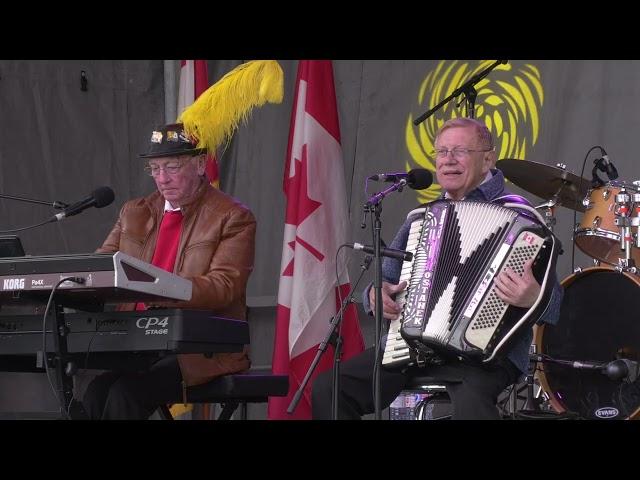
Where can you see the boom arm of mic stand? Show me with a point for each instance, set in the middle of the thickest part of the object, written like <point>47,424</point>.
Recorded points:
<point>464,88</point>
<point>335,321</point>
<point>470,95</point>
<point>375,200</point>
<point>569,363</point>
<point>54,204</point>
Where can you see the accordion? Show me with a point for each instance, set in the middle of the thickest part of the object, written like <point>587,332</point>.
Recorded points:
<point>450,307</point>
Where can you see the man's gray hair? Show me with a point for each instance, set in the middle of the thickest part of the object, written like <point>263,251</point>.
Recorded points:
<point>483,133</point>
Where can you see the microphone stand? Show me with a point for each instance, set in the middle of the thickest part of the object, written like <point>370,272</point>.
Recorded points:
<point>374,205</point>
<point>468,89</point>
<point>532,404</point>
<point>55,204</point>
<point>334,339</point>
<point>578,364</point>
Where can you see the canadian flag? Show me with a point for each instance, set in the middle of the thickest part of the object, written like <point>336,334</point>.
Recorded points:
<point>316,225</point>
<point>193,81</point>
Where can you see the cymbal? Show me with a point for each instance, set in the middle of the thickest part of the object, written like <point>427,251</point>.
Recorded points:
<point>546,181</point>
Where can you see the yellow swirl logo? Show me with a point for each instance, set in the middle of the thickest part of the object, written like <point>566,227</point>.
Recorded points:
<point>509,102</point>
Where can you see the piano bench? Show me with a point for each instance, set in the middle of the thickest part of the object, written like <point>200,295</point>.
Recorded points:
<point>233,390</point>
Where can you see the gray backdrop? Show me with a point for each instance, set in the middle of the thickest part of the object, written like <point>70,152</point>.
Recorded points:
<point>58,142</point>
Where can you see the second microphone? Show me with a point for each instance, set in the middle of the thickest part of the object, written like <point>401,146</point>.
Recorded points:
<point>385,252</point>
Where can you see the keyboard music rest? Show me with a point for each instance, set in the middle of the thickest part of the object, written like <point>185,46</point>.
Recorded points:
<point>103,337</point>
<point>109,278</point>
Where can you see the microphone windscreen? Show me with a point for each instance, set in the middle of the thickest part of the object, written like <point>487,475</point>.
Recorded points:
<point>419,179</point>
<point>103,196</point>
<point>617,370</point>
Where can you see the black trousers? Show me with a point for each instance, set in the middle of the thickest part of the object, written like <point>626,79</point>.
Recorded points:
<point>473,389</point>
<point>133,396</point>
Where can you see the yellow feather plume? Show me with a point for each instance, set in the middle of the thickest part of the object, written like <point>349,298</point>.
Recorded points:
<point>179,409</point>
<point>215,115</point>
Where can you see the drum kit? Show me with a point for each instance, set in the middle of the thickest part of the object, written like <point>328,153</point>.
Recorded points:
<point>586,366</point>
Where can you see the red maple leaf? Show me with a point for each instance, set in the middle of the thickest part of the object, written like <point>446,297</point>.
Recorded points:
<point>299,206</point>
<point>288,272</point>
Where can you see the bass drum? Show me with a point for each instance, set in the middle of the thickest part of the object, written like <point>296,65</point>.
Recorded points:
<point>599,322</point>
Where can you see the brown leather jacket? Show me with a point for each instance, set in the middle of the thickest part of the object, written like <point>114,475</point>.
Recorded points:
<point>216,253</point>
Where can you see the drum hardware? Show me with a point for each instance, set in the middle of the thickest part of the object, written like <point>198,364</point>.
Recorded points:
<point>624,208</point>
<point>548,209</point>
<point>626,265</point>
<point>532,403</point>
<point>608,230</point>
<point>635,221</point>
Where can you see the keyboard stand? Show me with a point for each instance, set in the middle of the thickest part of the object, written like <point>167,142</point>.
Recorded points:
<point>64,368</point>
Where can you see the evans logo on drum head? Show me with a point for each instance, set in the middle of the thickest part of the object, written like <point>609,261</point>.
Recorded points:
<point>607,412</point>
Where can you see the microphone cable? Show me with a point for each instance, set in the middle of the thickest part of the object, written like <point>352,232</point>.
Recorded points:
<point>339,334</point>
<point>27,228</point>
<point>79,280</point>
<point>575,209</point>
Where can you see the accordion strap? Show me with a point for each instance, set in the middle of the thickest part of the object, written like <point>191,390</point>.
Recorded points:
<point>527,208</point>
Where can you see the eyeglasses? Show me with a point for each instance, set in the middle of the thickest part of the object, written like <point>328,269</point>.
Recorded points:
<point>170,168</point>
<point>457,152</point>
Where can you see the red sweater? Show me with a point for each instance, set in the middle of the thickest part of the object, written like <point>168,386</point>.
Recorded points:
<point>166,250</point>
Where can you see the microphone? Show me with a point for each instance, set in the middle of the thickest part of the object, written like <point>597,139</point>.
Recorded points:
<point>587,365</point>
<point>388,177</point>
<point>100,197</point>
<point>418,178</point>
<point>385,252</point>
<point>621,369</point>
<point>605,165</point>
